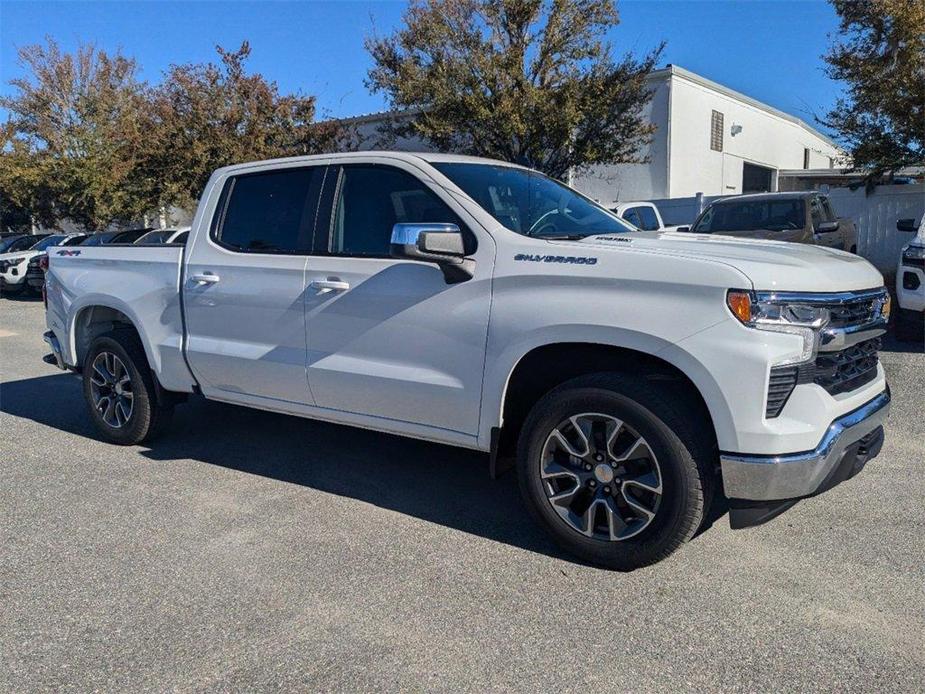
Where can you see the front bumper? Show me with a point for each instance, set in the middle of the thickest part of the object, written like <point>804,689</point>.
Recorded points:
<point>785,477</point>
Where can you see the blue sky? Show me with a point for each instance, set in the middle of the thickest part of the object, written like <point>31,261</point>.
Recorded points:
<point>770,50</point>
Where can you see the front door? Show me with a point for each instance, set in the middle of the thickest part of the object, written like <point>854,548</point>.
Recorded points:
<point>244,288</point>
<point>391,338</point>
<point>819,213</point>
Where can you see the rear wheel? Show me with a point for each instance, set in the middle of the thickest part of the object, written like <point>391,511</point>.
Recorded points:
<point>613,468</point>
<point>120,392</point>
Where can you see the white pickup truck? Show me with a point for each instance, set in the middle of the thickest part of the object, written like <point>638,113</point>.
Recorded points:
<point>633,376</point>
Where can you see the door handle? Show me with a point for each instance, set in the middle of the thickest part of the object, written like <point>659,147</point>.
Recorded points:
<point>205,278</point>
<point>330,284</point>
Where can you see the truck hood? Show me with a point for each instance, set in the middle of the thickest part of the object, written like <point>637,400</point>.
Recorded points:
<point>770,265</point>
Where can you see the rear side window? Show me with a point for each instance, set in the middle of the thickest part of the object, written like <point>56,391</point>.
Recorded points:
<point>371,199</point>
<point>632,216</point>
<point>643,217</point>
<point>269,212</point>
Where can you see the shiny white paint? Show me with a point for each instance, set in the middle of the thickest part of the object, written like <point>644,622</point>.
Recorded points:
<point>401,351</point>
<point>911,299</point>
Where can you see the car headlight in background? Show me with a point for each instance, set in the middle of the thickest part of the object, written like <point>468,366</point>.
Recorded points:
<point>765,312</point>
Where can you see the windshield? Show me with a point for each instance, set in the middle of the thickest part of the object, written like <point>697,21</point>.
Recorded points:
<point>17,243</point>
<point>97,239</point>
<point>530,203</point>
<point>752,215</point>
<point>152,237</point>
<point>48,241</point>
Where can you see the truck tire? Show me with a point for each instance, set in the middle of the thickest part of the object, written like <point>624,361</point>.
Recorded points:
<point>616,469</point>
<point>124,402</point>
<point>910,326</point>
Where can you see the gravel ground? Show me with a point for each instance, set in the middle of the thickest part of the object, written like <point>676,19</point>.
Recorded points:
<point>259,551</point>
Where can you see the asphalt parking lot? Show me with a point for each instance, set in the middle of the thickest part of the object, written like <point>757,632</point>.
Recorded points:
<point>247,550</point>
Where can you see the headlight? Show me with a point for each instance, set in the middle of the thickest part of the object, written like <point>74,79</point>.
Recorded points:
<point>914,253</point>
<point>780,316</point>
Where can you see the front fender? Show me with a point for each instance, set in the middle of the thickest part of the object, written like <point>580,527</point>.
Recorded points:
<point>500,368</point>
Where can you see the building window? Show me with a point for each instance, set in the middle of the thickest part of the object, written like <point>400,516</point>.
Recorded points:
<point>806,157</point>
<point>716,131</point>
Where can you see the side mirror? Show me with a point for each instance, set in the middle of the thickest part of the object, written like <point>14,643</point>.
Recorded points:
<point>907,225</point>
<point>434,243</point>
<point>826,227</point>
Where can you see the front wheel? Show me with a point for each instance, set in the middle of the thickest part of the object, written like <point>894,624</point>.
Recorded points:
<point>119,389</point>
<point>614,469</point>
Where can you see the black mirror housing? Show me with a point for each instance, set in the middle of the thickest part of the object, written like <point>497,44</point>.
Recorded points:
<point>907,225</point>
<point>434,243</point>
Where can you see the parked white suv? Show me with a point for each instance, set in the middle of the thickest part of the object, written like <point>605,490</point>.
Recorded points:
<point>475,303</point>
<point>910,283</point>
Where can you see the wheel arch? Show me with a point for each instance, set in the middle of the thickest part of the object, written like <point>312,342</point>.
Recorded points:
<point>542,367</point>
<point>96,317</point>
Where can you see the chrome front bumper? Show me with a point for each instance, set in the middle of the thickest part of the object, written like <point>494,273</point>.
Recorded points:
<point>795,475</point>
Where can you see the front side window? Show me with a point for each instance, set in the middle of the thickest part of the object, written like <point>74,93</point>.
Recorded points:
<point>752,215</point>
<point>529,203</point>
<point>827,210</point>
<point>371,199</point>
<point>270,212</point>
<point>815,210</point>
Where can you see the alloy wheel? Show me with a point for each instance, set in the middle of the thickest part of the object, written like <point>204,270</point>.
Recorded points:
<point>111,389</point>
<point>601,477</point>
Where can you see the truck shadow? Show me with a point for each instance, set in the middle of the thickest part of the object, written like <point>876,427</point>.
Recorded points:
<point>436,483</point>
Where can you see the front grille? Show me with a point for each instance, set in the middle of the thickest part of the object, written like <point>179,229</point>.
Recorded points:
<point>852,313</point>
<point>847,369</point>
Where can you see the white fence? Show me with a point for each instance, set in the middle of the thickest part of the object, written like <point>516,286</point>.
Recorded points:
<point>874,214</point>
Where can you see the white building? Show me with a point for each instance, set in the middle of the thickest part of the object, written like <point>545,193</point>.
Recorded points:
<point>709,139</point>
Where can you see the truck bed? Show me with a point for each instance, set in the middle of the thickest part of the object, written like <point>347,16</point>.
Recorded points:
<point>141,282</point>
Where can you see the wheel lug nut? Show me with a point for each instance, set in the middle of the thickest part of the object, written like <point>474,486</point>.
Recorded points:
<point>588,466</point>
<point>607,490</point>
<point>592,483</point>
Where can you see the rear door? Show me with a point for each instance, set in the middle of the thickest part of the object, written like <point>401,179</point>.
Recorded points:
<point>244,287</point>
<point>391,338</point>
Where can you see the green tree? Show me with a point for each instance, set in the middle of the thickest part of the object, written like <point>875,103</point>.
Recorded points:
<point>879,52</point>
<point>205,116</point>
<point>529,81</point>
<point>74,135</point>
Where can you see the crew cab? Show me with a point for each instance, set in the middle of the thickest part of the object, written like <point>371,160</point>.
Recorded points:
<point>630,377</point>
<point>800,217</point>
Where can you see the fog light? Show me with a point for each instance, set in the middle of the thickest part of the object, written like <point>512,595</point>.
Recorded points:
<point>910,281</point>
